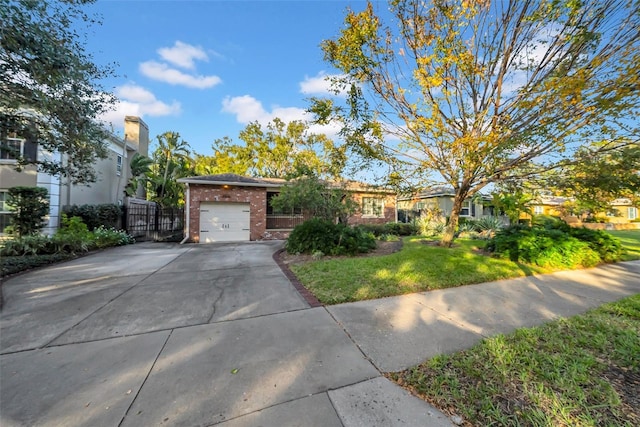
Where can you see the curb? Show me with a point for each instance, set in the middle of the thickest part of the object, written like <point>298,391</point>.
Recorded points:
<point>304,292</point>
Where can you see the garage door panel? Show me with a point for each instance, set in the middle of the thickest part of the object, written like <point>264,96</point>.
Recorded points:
<point>224,222</point>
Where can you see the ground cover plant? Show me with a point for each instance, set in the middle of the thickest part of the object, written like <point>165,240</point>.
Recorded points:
<point>583,370</point>
<point>73,238</point>
<point>324,237</point>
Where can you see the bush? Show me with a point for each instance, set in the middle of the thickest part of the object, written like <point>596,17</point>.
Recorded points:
<point>400,229</point>
<point>95,216</point>
<point>27,245</point>
<point>608,247</point>
<point>318,235</point>
<point>74,236</point>
<point>16,264</point>
<point>29,206</point>
<point>107,237</point>
<point>543,247</point>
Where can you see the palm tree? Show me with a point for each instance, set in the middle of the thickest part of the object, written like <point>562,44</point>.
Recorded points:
<point>172,150</point>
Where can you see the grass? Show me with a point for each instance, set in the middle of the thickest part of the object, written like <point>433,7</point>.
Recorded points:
<point>630,240</point>
<point>419,267</point>
<point>581,371</point>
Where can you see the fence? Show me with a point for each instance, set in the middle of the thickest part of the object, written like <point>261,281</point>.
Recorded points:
<point>284,222</point>
<point>149,221</point>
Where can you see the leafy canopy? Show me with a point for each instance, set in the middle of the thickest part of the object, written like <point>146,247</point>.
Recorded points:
<point>50,89</point>
<point>467,92</point>
<point>280,150</point>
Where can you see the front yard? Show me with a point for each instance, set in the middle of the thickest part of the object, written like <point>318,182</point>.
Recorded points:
<point>419,266</point>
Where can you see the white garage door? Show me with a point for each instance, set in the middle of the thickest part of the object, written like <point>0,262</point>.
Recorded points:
<point>224,222</point>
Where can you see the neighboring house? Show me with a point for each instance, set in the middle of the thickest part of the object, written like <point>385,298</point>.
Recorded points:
<point>411,207</point>
<point>621,211</point>
<point>113,173</point>
<point>230,207</point>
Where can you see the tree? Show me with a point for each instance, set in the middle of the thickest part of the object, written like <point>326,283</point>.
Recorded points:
<point>171,160</point>
<point>595,178</point>
<point>49,86</point>
<point>29,206</point>
<point>282,150</point>
<point>315,198</point>
<point>140,168</point>
<point>473,90</point>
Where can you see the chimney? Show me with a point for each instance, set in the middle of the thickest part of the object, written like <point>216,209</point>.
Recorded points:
<point>136,132</point>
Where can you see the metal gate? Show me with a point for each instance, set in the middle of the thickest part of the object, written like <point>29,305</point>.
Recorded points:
<point>146,220</point>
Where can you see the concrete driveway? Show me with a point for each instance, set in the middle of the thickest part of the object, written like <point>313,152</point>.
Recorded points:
<point>162,334</point>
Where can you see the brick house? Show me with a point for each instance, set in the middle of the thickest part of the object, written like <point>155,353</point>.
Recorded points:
<point>229,207</point>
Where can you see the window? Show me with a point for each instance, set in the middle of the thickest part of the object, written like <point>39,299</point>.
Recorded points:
<point>5,213</point>
<point>632,213</point>
<point>372,207</point>
<point>466,208</point>
<point>119,165</point>
<point>11,149</point>
<point>538,210</point>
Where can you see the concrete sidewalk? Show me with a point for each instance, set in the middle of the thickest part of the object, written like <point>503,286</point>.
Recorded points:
<point>398,332</point>
<point>201,335</point>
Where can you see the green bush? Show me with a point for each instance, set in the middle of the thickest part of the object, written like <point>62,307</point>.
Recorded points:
<point>550,222</point>
<point>400,229</point>
<point>27,245</point>
<point>29,206</point>
<point>107,237</point>
<point>318,235</point>
<point>94,216</point>
<point>74,236</point>
<point>543,247</point>
<point>376,229</point>
<point>608,247</point>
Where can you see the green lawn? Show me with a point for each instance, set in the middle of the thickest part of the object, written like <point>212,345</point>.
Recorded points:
<point>630,239</point>
<point>581,371</point>
<point>418,267</point>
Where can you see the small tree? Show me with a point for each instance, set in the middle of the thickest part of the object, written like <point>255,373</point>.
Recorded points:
<point>29,205</point>
<point>316,199</point>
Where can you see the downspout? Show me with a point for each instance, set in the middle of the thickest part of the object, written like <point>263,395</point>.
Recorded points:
<point>187,215</point>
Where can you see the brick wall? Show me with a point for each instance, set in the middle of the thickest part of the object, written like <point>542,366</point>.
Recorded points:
<point>255,196</point>
<point>389,210</point>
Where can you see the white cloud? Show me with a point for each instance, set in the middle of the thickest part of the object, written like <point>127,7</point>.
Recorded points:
<point>183,54</point>
<point>162,72</point>
<point>134,100</point>
<point>248,109</point>
<point>319,85</point>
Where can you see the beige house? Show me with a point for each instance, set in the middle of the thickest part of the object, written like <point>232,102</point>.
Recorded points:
<point>621,211</point>
<point>228,207</point>
<point>113,173</point>
<point>441,198</point>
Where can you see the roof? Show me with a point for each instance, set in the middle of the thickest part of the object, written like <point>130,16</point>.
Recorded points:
<point>246,181</point>
<point>437,191</point>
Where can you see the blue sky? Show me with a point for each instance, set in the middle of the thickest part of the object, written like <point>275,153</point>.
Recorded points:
<point>207,68</point>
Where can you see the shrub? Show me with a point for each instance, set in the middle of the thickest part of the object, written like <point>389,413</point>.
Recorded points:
<point>27,245</point>
<point>94,216</point>
<point>542,246</point>
<point>550,222</point>
<point>74,236</point>
<point>16,264</point>
<point>107,237</point>
<point>318,235</point>
<point>376,229</point>
<point>29,206</point>
<point>607,246</point>
<point>400,229</point>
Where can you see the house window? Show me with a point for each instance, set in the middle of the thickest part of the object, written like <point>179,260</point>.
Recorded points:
<point>632,213</point>
<point>5,212</point>
<point>372,207</point>
<point>119,165</point>
<point>11,149</point>
<point>466,208</point>
<point>538,210</point>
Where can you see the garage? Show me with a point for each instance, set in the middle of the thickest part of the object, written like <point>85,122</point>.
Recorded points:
<point>224,222</point>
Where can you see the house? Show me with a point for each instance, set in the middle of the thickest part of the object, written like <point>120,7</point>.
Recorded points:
<point>113,173</point>
<point>411,207</point>
<point>228,207</point>
<point>621,211</point>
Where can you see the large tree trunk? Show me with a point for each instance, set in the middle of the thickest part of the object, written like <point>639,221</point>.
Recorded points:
<point>450,229</point>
